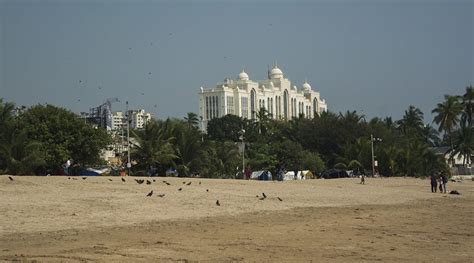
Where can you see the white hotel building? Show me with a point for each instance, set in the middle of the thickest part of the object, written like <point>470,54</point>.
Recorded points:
<point>244,97</point>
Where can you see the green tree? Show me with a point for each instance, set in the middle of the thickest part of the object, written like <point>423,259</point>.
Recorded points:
<point>412,122</point>
<point>192,120</point>
<point>468,106</point>
<point>64,135</point>
<point>153,147</point>
<point>447,115</point>
<point>463,143</point>
<point>227,127</point>
<point>18,154</point>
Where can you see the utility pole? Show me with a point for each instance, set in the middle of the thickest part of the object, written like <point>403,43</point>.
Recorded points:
<point>129,165</point>
<point>372,139</point>
<point>243,154</point>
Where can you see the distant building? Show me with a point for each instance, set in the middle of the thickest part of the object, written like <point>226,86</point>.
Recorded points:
<point>244,97</point>
<point>139,118</point>
<point>118,120</point>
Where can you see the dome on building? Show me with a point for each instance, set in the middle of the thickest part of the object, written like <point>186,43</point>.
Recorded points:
<point>276,73</point>
<point>306,86</point>
<point>243,75</point>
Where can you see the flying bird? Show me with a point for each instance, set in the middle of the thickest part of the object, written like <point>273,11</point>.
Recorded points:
<point>150,193</point>
<point>123,180</point>
<point>280,199</point>
<point>264,195</point>
<point>161,195</point>
<point>11,178</point>
<point>217,203</point>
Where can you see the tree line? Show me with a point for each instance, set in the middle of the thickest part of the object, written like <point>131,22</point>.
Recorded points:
<point>42,137</point>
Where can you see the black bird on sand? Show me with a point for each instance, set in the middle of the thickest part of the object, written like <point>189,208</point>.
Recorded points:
<point>217,203</point>
<point>123,180</point>
<point>207,190</point>
<point>264,195</point>
<point>184,182</point>
<point>110,179</point>
<point>279,199</point>
<point>150,193</point>
<point>180,189</point>
<point>189,183</point>
<point>11,178</point>
<point>199,182</point>
<point>161,195</point>
<point>148,182</point>
<point>154,180</point>
<point>139,181</point>
<point>167,183</point>
<point>69,178</point>
<point>262,198</point>
<point>84,178</point>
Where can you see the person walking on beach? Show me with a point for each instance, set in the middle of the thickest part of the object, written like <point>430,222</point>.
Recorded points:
<point>434,183</point>
<point>444,181</point>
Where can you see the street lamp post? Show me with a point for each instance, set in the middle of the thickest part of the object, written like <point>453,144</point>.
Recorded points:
<point>243,153</point>
<point>372,139</point>
<point>129,165</point>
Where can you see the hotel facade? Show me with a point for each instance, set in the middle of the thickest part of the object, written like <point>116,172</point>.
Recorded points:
<point>244,97</point>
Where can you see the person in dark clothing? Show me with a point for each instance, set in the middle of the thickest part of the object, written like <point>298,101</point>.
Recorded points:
<point>444,181</point>
<point>434,183</point>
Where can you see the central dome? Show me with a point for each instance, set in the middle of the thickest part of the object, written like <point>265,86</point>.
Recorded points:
<point>306,86</point>
<point>276,73</point>
<point>243,75</point>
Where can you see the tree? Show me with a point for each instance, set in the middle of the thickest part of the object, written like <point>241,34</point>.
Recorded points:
<point>447,115</point>
<point>227,127</point>
<point>463,143</point>
<point>188,147</point>
<point>192,120</point>
<point>468,106</point>
<point>154,148</point>
<point>18,154</point>
<point>412,122</point>
<point>63,135</point>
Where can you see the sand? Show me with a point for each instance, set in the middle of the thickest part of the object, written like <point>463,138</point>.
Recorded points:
<point>56,219</point>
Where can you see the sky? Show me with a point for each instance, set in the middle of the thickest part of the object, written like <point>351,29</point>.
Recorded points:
<point>375,57</point>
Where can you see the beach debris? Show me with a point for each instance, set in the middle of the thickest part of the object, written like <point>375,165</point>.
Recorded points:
<point>279,199</point>
<point>217,203</point>
<point>11,178</point>
<point>150,193</point>
<point>454,192</point>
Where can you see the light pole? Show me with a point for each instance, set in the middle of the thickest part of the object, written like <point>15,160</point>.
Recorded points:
<point>372,139</point>
<point>129,165</point>
<point>202,129</point>
<point>243,153</point>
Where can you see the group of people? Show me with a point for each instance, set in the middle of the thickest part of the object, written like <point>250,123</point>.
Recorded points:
<point>439,181</point>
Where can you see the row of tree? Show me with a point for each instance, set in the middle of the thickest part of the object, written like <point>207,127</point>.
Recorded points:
<point>41,138</point>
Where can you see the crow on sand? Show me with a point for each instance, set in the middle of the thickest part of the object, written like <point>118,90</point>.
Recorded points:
<point>189,183</point>
<point>264,195</point>
<point>123,180</point>
<point>217,203</point>
<point>150,193</point>
<point>110,179</point>
<point>180,189</point>
<point>84,178</point>
<point>148,182</point>
<point>11,178</point>
<point>161,195</point>
<point>280,199</point>
<point>207,190</point>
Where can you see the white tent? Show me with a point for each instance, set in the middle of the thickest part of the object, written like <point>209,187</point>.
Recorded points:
<point>259,175</point>
<point>301,175</point>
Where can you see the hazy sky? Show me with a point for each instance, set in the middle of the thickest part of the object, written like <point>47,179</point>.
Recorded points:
<point>376,57</point>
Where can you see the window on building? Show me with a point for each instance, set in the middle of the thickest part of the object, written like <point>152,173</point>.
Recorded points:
<point>315,106</point>
<point>230,105</point>
<point>244,107</point>
<point>285,104</point>
<point>252,103</point>
<point>207,108</point>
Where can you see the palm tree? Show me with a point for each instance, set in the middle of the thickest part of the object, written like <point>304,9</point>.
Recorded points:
<point>412,121</point>
<point>192,120</point>
<point>468,105</point>
<point>188,150</point>
<point>448,115</point>
<point>464,143</point>
<point>18,155</point>
<point>154,145</point>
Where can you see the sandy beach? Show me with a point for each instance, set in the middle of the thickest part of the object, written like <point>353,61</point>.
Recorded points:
<point>56,219</point>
